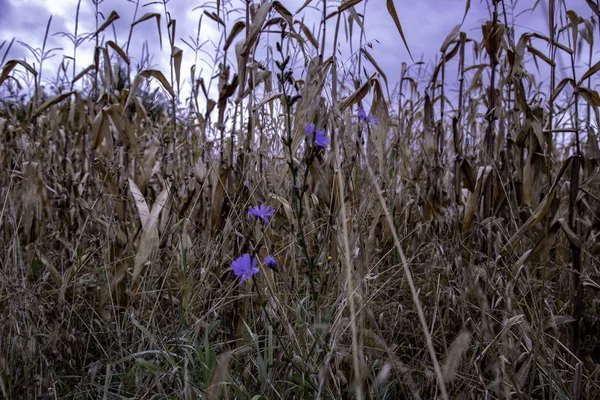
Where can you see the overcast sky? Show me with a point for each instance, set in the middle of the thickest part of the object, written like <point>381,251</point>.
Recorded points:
<point>425,22</point>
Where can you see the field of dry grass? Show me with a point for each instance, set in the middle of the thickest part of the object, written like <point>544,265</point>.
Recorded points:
<point>444,243</point>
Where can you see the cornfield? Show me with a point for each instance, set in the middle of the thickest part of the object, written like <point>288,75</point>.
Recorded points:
<point>298,227</point>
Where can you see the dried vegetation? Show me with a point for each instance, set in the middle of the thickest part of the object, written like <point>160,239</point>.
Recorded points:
<point>449,251</point>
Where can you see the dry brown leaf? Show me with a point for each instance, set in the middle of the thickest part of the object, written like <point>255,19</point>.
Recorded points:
<point>539,213</point>
<point>473,201</point>
<point>560,87</point>
<point>357,96</point>
<point>571,236</point>
<point>146,17</point>
<point>590,95</point>
<point>149,240</point>
<point>177,58</point>
<point>101,131</point>
<point>450,38</point>
<point>235,30</point>
<point>455,355</point>
<point>52,101</point>
<point>119,51</point>
<point>528,182</point>
<point>112,17</point>
<point>146,74</point>
<point>537,53</point>
<point>256,28</point>
<point>122,126</point>
<point>346,4</point>
<point>309,35</point>
<point>284,12</point>
<point>374,63</point>
<point>140,203</point>
<point>392,11</point>
<point>219,376</point>
<point>13,63</point>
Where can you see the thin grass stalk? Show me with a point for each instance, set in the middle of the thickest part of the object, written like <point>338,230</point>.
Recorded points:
<point>298,192</point>
<point>574,212</point>
<point>324,32</point>
<point>38,78</point>
<point>171,26</point>
<point>97,38</point>
<point>489,134</point>
<point>350,287</point>
<point>75,44</point>
<point>409,278</point>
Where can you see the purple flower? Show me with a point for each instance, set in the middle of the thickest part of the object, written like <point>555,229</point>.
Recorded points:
<point>270,261</point>
<point>320,138</point>
<point>244,267</point>
<point>369,119</point>
<point>261,211</point>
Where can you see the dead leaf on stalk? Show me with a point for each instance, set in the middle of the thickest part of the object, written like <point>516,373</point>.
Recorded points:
<point>119,51</point>
<point>590,95</point>
<point>482,177</point>
<point>146,74</point>
<point>148,16</point>
<point>112,17</point>
<point>12,64</point>
<point>52,101</point>
<point>392,11</point>
<point>149,240</point>
<point>101,131</point>
<point>357,96</point>
<point>455,355</point>
<point>235,30</point>
<point>539,213</point>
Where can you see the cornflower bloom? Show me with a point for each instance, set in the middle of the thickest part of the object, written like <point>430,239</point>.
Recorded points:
<point>262,212</point>
<point>244,267</point>
<point>368,119</point>
<point>320,139</point>
<point>270,261</point>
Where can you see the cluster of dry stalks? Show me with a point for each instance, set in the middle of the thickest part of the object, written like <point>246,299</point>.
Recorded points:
<point>449,251</point>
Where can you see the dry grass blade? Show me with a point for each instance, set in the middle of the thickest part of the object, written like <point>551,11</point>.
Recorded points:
<point>52,101</point>
<point>374,63</point>
<point>146,17</point>
<point>539,213</point>
<point>146,74</point>
<point>357,96</point>
<point>149,240</point>
<point>455,355</point>
<point>119,51</point>
<point>85,71</point>
<point>306,4</point>
<point>346,4</point>
<point>450,38</point>
<point>309,35</point>
<point>13,63</point>
<point>140,203</point>
<point>284,12</point>
<point>409,278</point>
<point>392,11</point>
<point>590,95</point>
<point>122,126</point>
<point>219,376</point>
<point>235,30</point>
<point>349,284</point>
<point>256,28</point>
<point>474,198</point>
<point>112,17</point>
<point>177,59</point>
